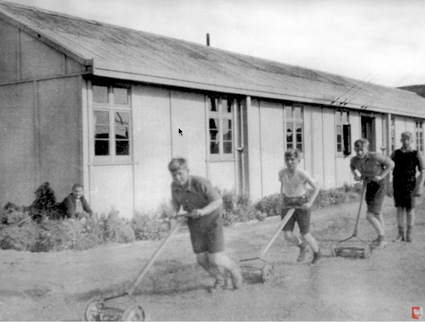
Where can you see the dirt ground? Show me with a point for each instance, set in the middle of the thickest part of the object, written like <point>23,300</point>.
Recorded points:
<point>57,286</point>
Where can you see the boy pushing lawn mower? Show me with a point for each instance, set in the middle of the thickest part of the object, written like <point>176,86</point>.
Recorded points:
<point>405,186</point>
<point>202,203</point>
<point>373,168</point>
<point>294,195</point>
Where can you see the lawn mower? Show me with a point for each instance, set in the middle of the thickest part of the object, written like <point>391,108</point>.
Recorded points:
<point>96,310</point>
<point>257,266</point>
<point>353,246</point>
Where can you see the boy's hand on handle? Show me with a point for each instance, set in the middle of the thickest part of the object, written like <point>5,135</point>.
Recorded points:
<point>305,206</point>
<point>196,213</point>
<point>377,178</point>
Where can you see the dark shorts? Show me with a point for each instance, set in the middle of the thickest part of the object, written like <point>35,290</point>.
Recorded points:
<point>403,194</point>
<point>300,216</point>
<point>375,194</point>
<point>206,234</point>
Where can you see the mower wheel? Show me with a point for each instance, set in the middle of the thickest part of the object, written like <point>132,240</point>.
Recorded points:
<point>93,310</point>
<point>367,251</point>
<point>133,313</point>
<point>267,273</point>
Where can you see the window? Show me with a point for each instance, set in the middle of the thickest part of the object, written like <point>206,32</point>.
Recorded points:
<point>220,126</point>
<point>112,117</point>
<point>343,133</point>
<point>419,136</point>
<point>294,128</point>
<point>392,133</point>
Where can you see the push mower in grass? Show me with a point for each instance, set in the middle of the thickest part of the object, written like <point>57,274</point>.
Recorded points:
<point>258,267</point>
<point>353,246</point>
<point>96,310</point>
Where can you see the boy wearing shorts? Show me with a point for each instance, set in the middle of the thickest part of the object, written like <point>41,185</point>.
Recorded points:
<point>372,167</point>
<point>202,203</point>
<point>406,188</point>
<point>294,194</point>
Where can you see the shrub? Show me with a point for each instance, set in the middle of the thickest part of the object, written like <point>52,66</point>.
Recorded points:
<point>239,208</point>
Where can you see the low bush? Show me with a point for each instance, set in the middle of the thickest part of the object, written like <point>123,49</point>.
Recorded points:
<point>21,231</point>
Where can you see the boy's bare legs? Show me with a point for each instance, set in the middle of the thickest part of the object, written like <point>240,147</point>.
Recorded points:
<point>290,237</point>
<point>312,242</point>
<point>217,265</point>
<point>410,221</point>
<point>400,224</point>
<point>224,264</point>
<point>376,221</point>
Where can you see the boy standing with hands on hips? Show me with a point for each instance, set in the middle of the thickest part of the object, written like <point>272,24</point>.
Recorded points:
<point>372,167</point>
<point>405,186</point>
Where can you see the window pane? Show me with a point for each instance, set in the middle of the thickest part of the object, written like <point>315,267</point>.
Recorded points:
<point>122,147</point>
<point>229,107</point>
<point>213,104</point>
<point>299,137</point>
<point>289,135</point>
<point>298,112</point>
<point>120,95</point>
<point>102,132</point>
<point>101,118</point>
<point>101,147</point>
<point>121,125</point>
<point>288,111</point>
<point>100,94</point>
<point>214,139</point>
<point>227,147</point>
<point>227,130</point>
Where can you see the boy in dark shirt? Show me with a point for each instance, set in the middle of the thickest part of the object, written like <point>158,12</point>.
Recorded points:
<point>407,162</point>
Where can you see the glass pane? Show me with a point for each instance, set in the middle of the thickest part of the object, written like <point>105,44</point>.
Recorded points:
<point>288,110</point>
<point>101,147</point>
<point>229,107</point>
<point>101,118</point>
<point>120,95</point>
<point>214,147</point>
<point>121,125</point>
<point>227,147</point>
<point>289,135</point>
<point>101,132</point>
<point>298,112</point>
<point>299,130</point>
<point>213,104</point>
<point>227,130</point>
<point>122,147</point>
<point>339,147</point>
<point>300,147</point>
<point>100,94</point>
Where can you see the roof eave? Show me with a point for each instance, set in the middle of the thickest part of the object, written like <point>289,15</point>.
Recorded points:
<point>45,39</point>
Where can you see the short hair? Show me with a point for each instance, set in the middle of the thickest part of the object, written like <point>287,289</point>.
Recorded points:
<point>292,153</point>
<point>361,142</point>
<point>177,164</point>
<point>77,185</point>
<point>407,134</point>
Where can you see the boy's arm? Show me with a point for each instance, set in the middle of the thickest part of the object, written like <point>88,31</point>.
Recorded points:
<point>356,173</point>
<point>212,206</point>
<point>388,166</point>
<point>421,180</point>
<point>315,192</point>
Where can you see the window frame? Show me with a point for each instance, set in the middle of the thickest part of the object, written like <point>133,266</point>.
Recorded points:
<point>345,131</point>
<point>222,116</point>
<point>293,120</point>
<point>112,108</point>
<point>419,136</point>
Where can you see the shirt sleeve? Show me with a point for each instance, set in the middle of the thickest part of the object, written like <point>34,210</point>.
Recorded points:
<point>385,161</point>
<point>209,192</point>
<point>306,176</point>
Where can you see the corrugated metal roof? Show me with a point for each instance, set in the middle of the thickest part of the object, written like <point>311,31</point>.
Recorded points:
<point>124,53</point>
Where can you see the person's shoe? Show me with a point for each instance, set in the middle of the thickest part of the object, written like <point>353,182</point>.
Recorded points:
<point>400,238</point>
<point>303,251</point>
<point>379,242</point>
<point>409,237</point>
<point>217,287</point>
<point>316,257</point>
<point>236,277</point>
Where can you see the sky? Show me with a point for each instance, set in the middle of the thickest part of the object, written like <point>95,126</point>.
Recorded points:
<point>377,41</point>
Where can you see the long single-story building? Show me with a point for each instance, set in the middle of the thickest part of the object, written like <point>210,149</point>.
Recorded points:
<point>84,101</point>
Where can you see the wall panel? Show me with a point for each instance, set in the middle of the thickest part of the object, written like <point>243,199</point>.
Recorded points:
<point>8,52</point>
